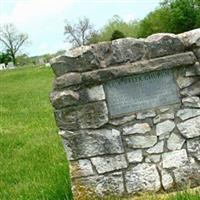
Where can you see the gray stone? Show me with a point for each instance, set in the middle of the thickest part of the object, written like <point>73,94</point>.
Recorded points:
<point>184,82</point>
<point>153,158</point>
<point>92,115</point>
<point>167,180</point>
<point>165,127</point>
<point>67,80</point>
<point>82,167</point>
<point>175,142</point>
<point>110,73</point>
<point>193,90</point>
<point>193,70</point>
<point>162,117</point>
<point>96,93</point>
<point>122,120</point>
<point>60,99</point>
<point>193,146</point>
<point>147,114</point>
<point>158,148</point>
<point>143,141</point>
<point>135,156</point>
<point>141,128</point>
<point>143,177</point>
<point>187,113</point>
<point>175,159</point>
<point>193,102</point>
<point>160,44</point>
<point>164,109</point>
<point>190,128</point>
<point>88,143</point>
<point>109,163</point>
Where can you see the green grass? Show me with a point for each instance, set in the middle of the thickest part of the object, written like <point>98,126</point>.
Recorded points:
<point>33,164</point>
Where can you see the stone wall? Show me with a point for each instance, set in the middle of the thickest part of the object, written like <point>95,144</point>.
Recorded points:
<point>146,150</point>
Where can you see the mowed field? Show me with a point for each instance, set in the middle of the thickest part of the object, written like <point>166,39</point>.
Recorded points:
<point>33,164</point>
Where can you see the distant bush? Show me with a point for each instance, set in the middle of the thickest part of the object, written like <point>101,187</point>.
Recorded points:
<point>117,34</point>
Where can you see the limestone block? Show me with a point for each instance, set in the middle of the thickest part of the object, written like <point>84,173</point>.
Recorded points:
<point>143,177</point>
<point>193,90</point>
<point>190,128</point>
<point>143,141</point>
<point>162,117</point>
<point>89,143</point>
<point>158,148</point>
<point>135,156</point>
<point>175,142</point>
<point>193,70</point>
<point>184,82</point>
<point>193,102</point>
<point>175,159</point>
<point>153,158</point>
<point>167,180</point>
<point>188,113</point>
<point>160,44</point>
<point>146,114</point>
<point>140,128</point>
<point>193,147</point>
<point>109,163</point>
<point>165,127</point>
<point>122,120</point>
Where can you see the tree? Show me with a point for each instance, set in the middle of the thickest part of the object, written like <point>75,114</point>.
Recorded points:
<point>78,33</point>
<point>116,35</point>
<point>5,57</point>
<point>12,40</point>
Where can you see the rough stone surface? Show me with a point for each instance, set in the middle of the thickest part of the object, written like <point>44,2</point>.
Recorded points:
<point>193,102</point>
<point>188,113</point>
<point>95,93</point>
<point>153,158</point>
<point>141,141</point>
<point>165,127</point>
<point>135,156</point>
<point>162,117</point>
<point>193,90</point>
<point>158,148</point>
<point>147,114</point>
<point>137,128</point>
<point>167,180</point>
<point>122,120</point>
<point>190,128</point>
<point>87,143</point>
<point>141,178</point>
<point>109,163</point>
<point>193,146</point>
<point>184,82</point>
<point>175,142</point>
<point>193,70</point>
<point>175,159</point>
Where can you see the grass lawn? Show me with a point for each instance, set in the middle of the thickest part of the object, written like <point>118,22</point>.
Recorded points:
<point>33,164</point>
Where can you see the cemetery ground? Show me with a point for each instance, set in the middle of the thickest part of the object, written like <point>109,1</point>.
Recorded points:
<point>33,164</point>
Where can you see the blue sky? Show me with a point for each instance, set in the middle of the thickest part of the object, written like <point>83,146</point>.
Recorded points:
<point>44,20</point>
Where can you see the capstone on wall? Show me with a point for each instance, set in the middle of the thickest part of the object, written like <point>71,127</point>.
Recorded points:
<point>151,149</point>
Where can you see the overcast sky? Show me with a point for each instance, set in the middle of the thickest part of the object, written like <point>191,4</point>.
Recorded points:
<point>43,20</point>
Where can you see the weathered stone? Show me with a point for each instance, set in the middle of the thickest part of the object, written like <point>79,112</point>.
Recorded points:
<point>162,117</point>
<point>160,44</point>
<point>193,70</point>
<point>193,90</point>
<point>175,142</point>
<point>67,80</point>
<point>127,50</point>
<point>82,167</point>
<point>188,113</point>
<point>176,159</point>
<point>122,120</point>
<point>167,180</point>
<point>67,149</point>
<point>193,102</point>
<point>92,115</point>
<point>60,99</point>
<point>164,109</point>
<point>143,141</point>
<point>111,183</point>
<point>147,114</point>
<point>141,128</point>
<point>158,148</point>
<point>190,128</point>
<point>165,127</point>
<point>143,177</point>
<point>85,61</point>
<point>88,143</point>
<point>184,82</point>
<point>135,156</point>
<point>193,146</point>
<point>110,73</point>
<point>109,163</point>
<point>153,158</point>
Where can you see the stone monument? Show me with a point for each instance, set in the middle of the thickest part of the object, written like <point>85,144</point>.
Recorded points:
<point>129,114</point>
